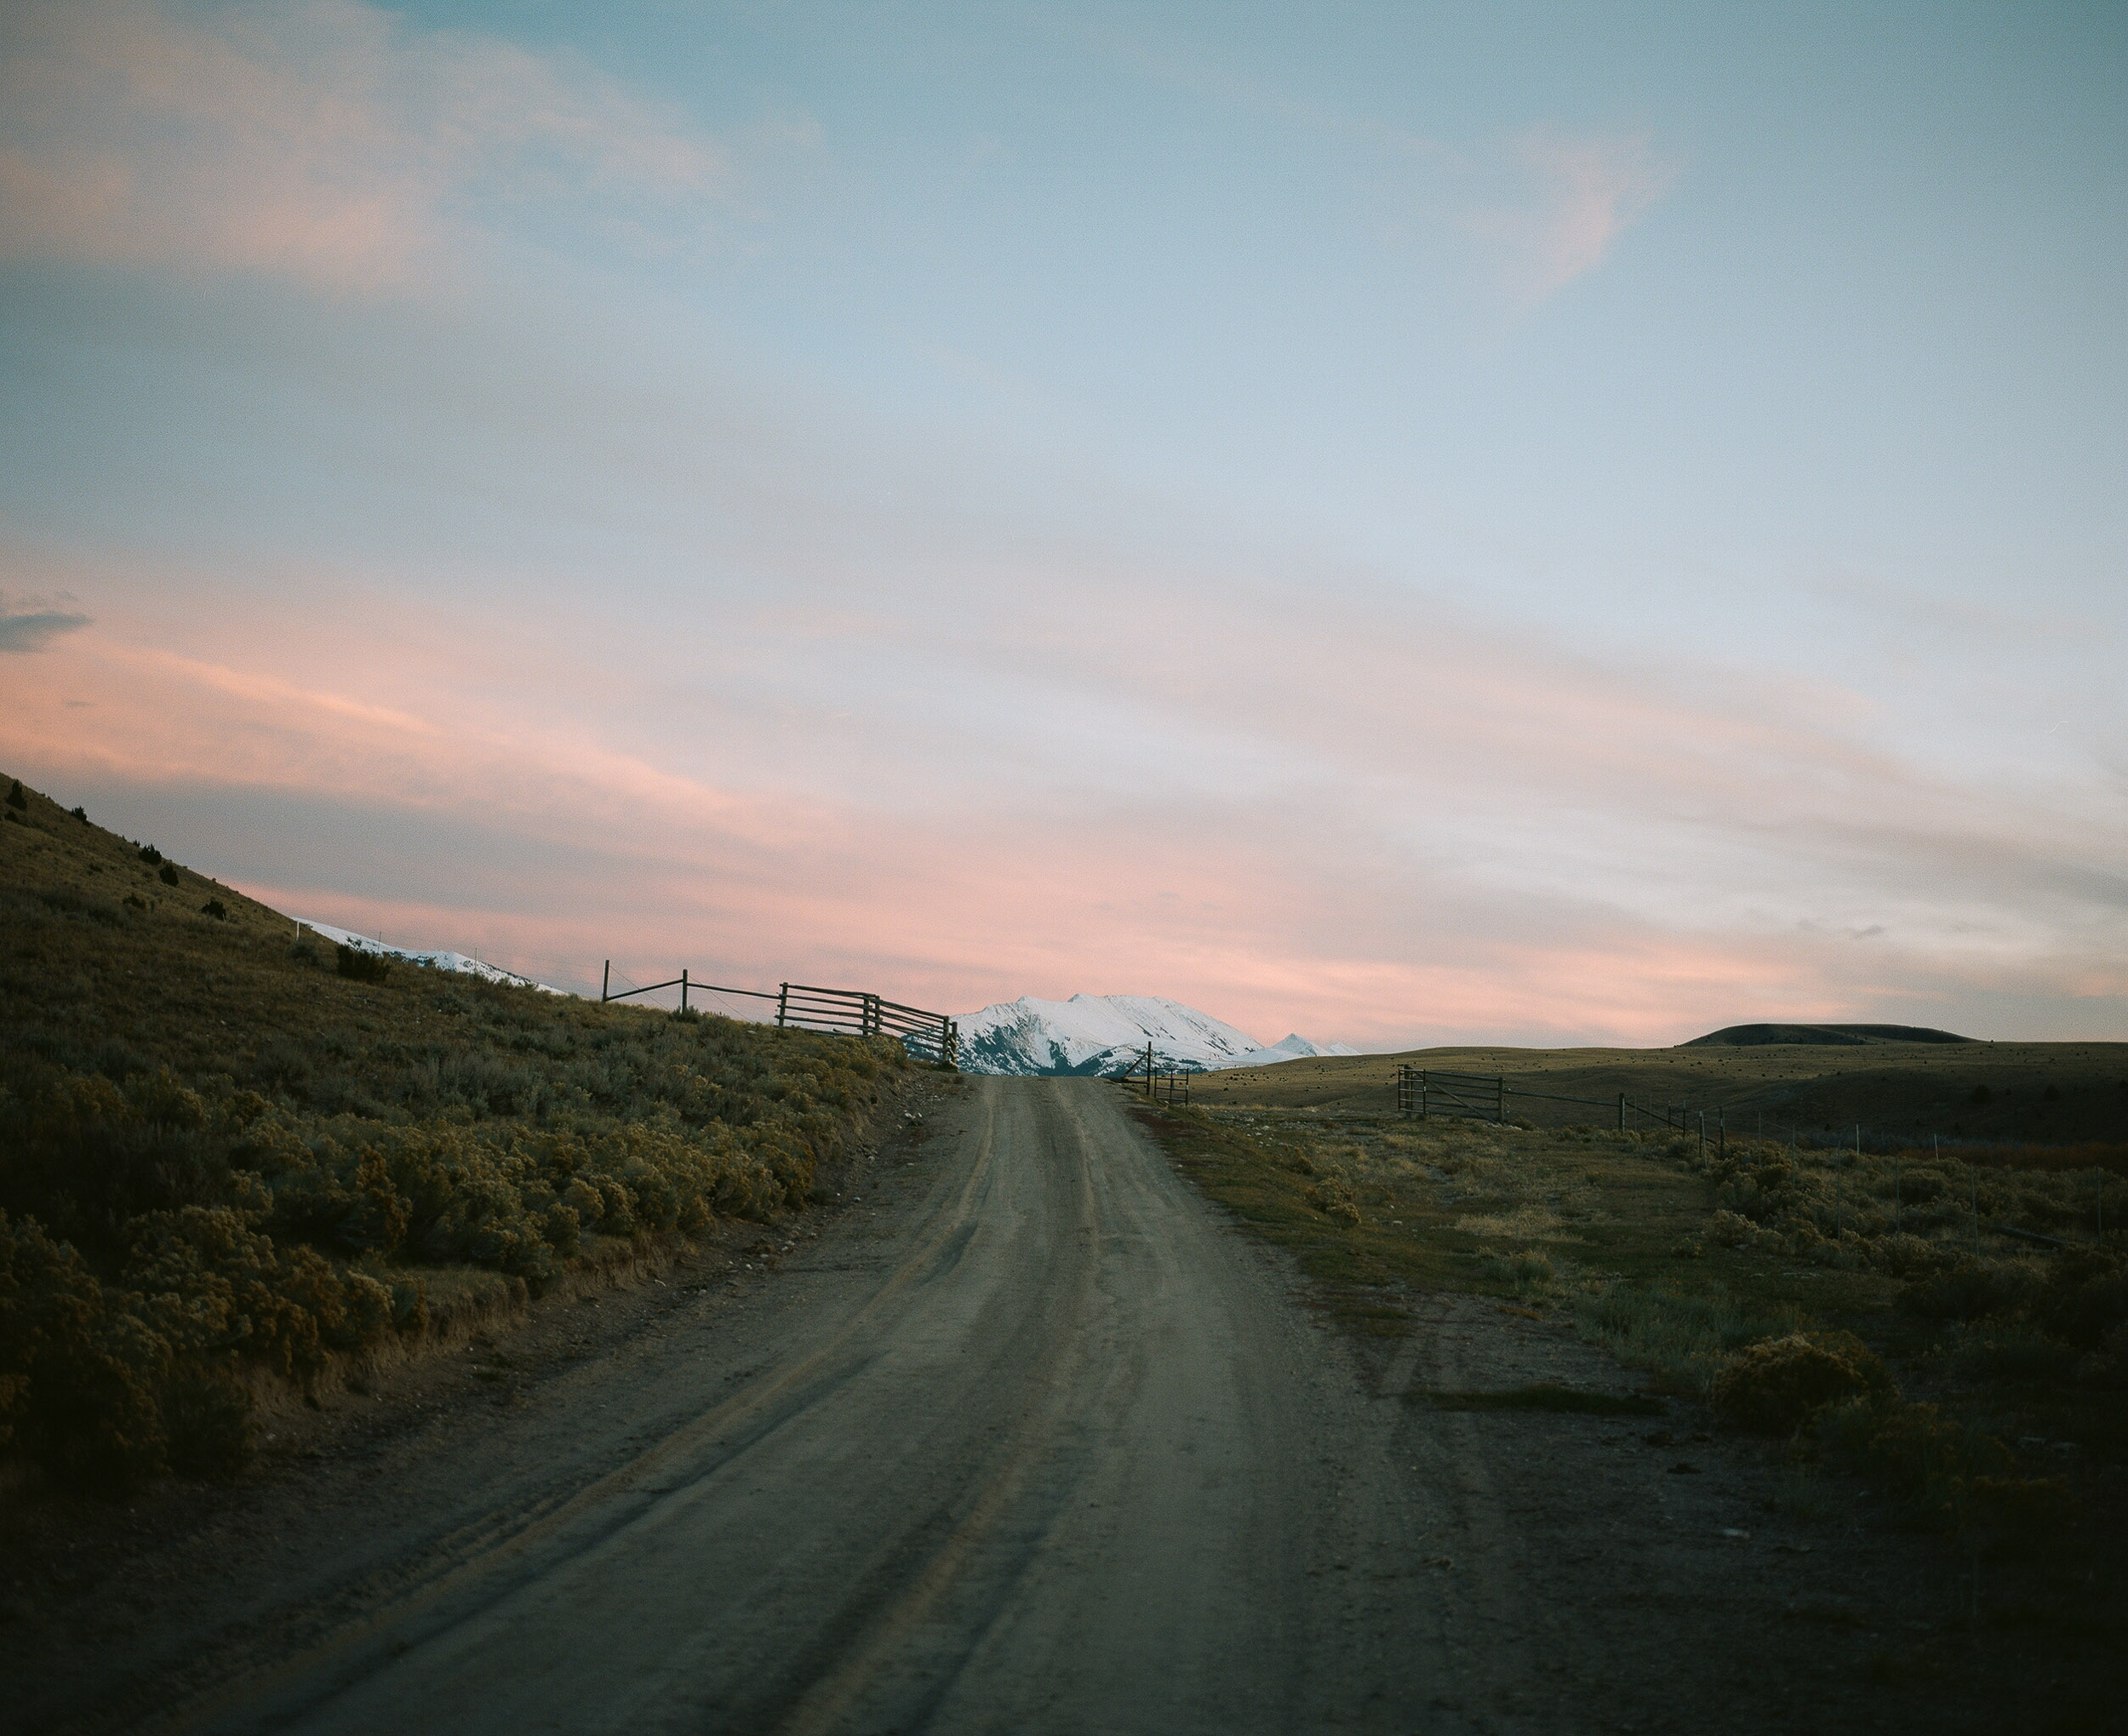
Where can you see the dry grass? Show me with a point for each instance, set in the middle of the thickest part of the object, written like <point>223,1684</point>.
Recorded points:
<point>1745,1274</point>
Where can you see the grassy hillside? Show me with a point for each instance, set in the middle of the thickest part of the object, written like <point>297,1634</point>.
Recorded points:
<point>2039,1092</point>
<point>225,1162</point>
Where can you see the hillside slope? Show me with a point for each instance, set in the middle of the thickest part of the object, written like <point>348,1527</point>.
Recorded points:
<point>225,1162</point>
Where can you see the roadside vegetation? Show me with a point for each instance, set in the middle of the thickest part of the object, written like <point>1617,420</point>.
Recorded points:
<point>1954,1334</point>
<point>233,1160</point>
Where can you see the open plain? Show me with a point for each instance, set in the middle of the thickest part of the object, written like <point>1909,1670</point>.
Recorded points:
<point>2045,1093</point>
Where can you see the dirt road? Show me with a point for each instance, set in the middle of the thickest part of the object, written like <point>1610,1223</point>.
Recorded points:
<point>1029,1439</point>
<point>1052,1451</point>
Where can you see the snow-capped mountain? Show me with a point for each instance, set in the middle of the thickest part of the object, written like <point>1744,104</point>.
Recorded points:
<point>1292,1048</point>
<point>1093,1034</point>
<point>436,960</point>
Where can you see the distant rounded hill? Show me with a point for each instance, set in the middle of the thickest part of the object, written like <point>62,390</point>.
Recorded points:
<point>1829,1035</point>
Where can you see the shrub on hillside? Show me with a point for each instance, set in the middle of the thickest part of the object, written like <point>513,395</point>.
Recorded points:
<point>166,1236</point>
<point>1926,1462</point>
<point>360,966</point>
<point>77,1378</point>
<point>1774,1388</point>
<point>1970,1288</point>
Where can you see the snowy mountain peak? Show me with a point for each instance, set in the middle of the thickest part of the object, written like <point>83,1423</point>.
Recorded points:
<point>1098,1034</point>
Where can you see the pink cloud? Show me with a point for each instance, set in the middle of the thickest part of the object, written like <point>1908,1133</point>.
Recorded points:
<point>1367,818</point>
<point>328,143</point>
<point>1584,194</point>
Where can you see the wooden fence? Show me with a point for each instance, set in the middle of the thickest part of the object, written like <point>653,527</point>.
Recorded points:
<point>928,1036</point>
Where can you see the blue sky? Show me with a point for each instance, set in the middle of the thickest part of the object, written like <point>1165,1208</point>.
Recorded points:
<point>1558,524</point>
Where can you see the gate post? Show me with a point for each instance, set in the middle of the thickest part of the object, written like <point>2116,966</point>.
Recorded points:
<point>782,1003</point>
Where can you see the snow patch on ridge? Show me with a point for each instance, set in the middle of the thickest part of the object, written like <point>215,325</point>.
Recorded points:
<point>458,961</point>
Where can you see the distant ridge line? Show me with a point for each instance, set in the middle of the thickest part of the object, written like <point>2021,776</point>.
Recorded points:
<point>1829,1035</point>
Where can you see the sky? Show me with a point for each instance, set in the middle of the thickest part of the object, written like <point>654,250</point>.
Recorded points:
<point>1415,524</point>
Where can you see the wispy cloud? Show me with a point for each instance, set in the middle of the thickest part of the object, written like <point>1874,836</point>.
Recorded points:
<point>29,624</point>
<point>329,142</point>
<point>1545,205</point>
<point>1580,195</point>
<point>1372,816</point>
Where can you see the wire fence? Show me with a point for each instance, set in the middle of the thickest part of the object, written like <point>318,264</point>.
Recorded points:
<point>1428,1092</point>
<point>927,1035</point>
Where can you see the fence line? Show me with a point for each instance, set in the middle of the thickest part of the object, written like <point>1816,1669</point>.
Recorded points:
<point>1160,1085</point>
<point>844,1012</point>
<point>1428,1091</point>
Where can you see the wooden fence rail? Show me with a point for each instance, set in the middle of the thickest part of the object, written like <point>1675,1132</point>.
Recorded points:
<point>930,1037</point>
<point>856,1013</point>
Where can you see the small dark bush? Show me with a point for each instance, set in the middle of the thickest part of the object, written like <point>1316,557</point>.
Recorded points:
<point>2086,1296</point>
<point>168,875</point>
<point>1974,1288</point>
<point>80,814</point>
<point>209,1418</point>
<point>1775,1388</point>
<point>151,855</point>
<point>280,1065</point>
<point>2010,1350</point>
<point>15,798</point>
<point>135,902</point>
<point>213,907</point>
<point>2024,1502</point>
<point>360,966</point>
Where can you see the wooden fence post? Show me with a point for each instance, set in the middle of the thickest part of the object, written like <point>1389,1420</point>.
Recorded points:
<point>605,984</point>
<point>782,1003</point>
